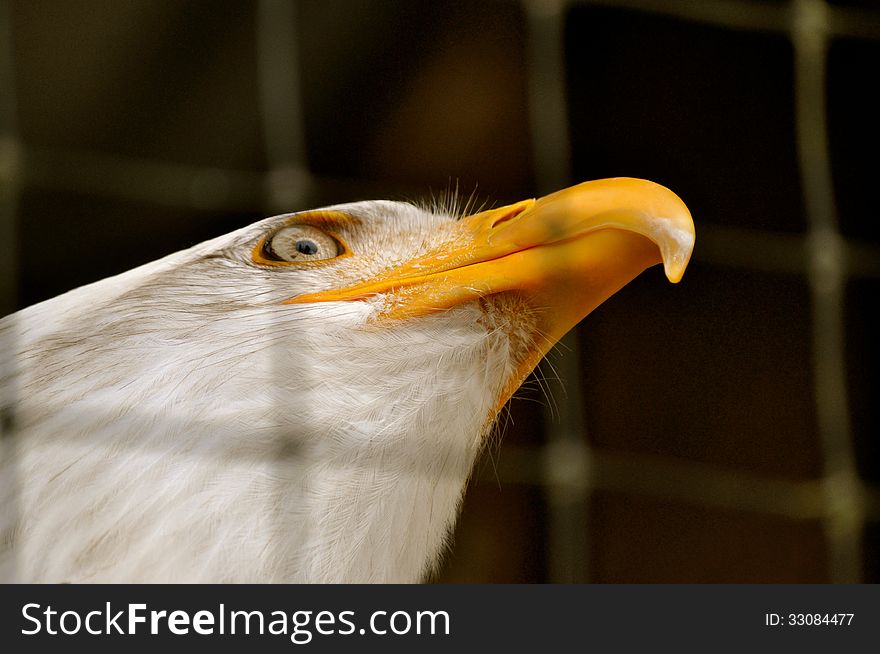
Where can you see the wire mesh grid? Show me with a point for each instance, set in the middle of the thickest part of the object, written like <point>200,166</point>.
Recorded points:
<point>566,466</point>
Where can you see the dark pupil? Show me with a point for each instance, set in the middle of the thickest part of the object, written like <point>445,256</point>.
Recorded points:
<point>306,247</point>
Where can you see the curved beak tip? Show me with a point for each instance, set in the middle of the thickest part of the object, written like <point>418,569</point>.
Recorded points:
<point>676,249</point>
<point>628,204</point>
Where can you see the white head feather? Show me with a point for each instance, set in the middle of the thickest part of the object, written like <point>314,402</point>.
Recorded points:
<point>178,423</point>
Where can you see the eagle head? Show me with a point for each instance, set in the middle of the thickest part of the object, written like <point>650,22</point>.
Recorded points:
<point>302,399</point>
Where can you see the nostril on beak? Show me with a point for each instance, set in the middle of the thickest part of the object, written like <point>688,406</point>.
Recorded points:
<point>515,211</point>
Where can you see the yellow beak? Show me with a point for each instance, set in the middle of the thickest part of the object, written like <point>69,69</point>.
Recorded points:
<point>565,253</point>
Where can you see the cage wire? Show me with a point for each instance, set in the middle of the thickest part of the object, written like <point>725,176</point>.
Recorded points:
<point>566,466</point>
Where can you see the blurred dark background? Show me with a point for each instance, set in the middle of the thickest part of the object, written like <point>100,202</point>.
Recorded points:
<point>721,430</point>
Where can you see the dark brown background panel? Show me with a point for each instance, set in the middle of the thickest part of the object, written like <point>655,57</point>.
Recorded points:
<point>640,540</point>
<point>716,369</point>
<point>703,110</point>
<point>168,80</point>
<point>854,135</point>
<point>418,92</point>
<point>863,358</point>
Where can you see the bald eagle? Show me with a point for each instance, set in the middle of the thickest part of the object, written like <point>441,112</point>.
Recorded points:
<point>301,400</point>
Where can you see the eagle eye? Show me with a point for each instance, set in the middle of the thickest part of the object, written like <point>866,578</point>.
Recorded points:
<point>299,243</point>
